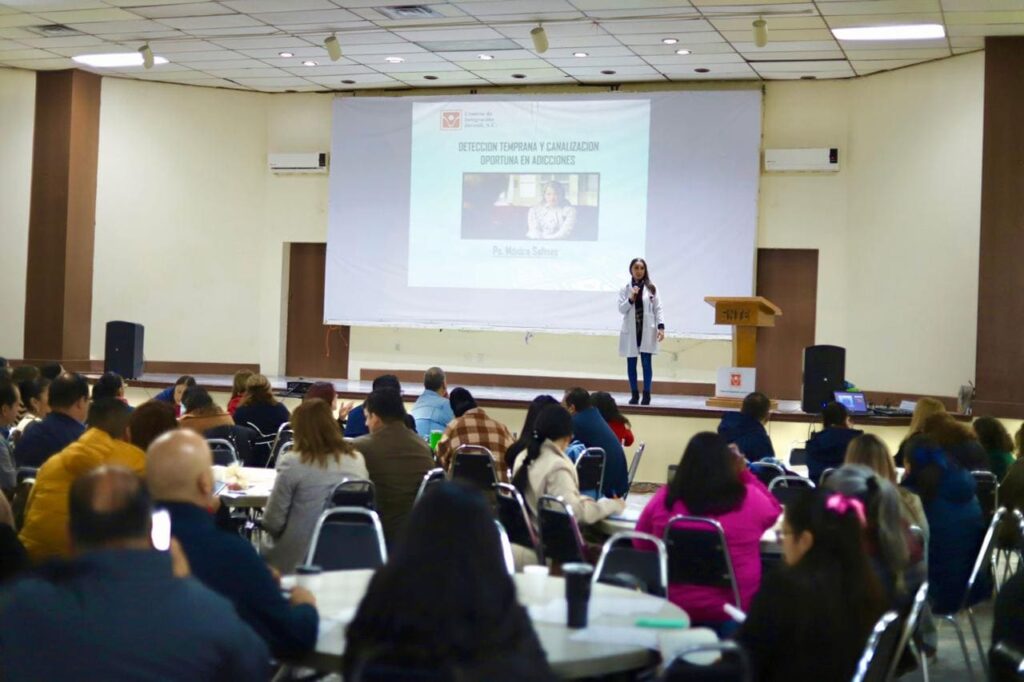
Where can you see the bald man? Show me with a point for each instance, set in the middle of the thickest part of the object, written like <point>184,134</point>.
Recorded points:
<point>180,477</point>
<point>90,611</point>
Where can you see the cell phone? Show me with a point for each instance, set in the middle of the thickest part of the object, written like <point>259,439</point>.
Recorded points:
<point>161,531</point>
<point>219,488</point>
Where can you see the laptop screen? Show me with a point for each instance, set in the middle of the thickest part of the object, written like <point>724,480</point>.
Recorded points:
<point>853,402</point>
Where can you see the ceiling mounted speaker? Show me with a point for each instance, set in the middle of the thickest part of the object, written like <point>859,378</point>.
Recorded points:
<point>333,47</point>
<point>540,39</point>
<point>147,56</point>
<point>760,32</point>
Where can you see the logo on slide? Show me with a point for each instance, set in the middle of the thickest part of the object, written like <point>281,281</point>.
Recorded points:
<point>735,379</point>
<point>451,120</point>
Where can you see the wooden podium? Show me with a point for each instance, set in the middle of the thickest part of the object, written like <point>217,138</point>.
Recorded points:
<point>745,315</point>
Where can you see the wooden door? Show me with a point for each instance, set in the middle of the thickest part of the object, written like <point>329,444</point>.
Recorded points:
<point>313,349</point>
<point>789,279</point>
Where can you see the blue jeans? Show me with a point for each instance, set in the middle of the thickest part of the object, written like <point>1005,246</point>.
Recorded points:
<point>645,360</point>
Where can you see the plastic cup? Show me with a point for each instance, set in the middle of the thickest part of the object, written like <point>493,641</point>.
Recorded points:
<point>577,593</point>
<point>435,438</point>
<point>535,579</point>
<point>308,577</point>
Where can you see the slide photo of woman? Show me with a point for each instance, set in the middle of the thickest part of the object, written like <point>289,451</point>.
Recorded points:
<point>541,206</point>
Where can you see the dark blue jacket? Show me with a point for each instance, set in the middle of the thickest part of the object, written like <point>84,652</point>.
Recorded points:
<point>229,565</point>
<point>956,527</point>
<point>355,423</point>
<point>166,395</point>
<point>267,418</point>
<point>827,449</point>
<point>589,427</point>
<point>119,615</point>
<point>54,433</point>
<point>748,434</point>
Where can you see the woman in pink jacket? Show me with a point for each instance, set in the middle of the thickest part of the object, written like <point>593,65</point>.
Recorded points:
<point>713,481</point>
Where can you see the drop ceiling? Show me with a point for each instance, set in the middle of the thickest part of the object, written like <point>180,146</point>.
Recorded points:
<point>238,43</point>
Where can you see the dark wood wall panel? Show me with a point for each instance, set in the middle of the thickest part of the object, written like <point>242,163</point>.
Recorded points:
<point>1000,349</point>
<point>62,215</point>
<point>789,279</point>
<point>313,349</point>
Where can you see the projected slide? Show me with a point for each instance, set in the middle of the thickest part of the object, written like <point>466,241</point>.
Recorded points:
<point>511,190</point>
<point>522,211</point>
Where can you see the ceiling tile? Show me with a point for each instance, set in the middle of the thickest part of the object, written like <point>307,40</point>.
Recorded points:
<point>331,16</point>
<point>25,53</point>
<point>213,21</point>
<point>863,67</point>
<point>415,67</point>
<point>906,53</point>
<point>847,20</point>
<point>15,20</point>
<point>522,7</point>
<point>468,33</point>
<point>1007,17</point>
<point>878,7</point>
<point>477,65</point>
<point>66,41</point>
<point>695,60</point>
<point>111,27</point>
<point>260,42</point>
<point>258,6</point>
<point>38,64</point>
<point>221,64</point>
<point>10,6</point>
<point>204,56</point>
<point>981,5</point>
<point>87,16</point>
<point>780,36</point>
<point>498,55</point>
<point>194,9</point>
<point>15,33</point>
<point>324,70</point>
<point>604,62</point>
<point>685,40</point>
<point>580,71</point>
<point>695,48</point>
<point>987,30</point>
<point>774,23</point>
<point>810,54</point>
<point>780,46</point>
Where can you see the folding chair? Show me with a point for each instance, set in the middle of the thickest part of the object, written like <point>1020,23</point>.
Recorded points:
<point>876,660</point>
<point>506,548</point>
<point>559,533</point>
<point>798,454</point>
<point>353,492</point>
<point>19,501</point>
<point>634,464</point>
<point>243,438</point>
<point>1006,661</point>
<point>788,488</point>
<point>223,451</point>
<point>25,473</point>
<point>1008,543</point>
<point>474,463</point>
<point>431,477</point>
<point>987,491</point>
<point>699,554</point>
<point>909,630</point>
<point>347,538</point>
<point>825,474</point>
<point>263,446</point>
<point>732,663</point>
<point>590,471</point>
<point>515,519</point>
<point>619,556</point>
<point>284,435</point>
<point>766,471</point>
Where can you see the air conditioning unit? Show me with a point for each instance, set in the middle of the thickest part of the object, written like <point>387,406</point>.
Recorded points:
<point>813,160</point>
<point>313,162</point>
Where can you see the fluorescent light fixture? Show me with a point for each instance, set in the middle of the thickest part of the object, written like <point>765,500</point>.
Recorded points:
<point>901,32</point>
<point>580,54</point>
<point>540,39</point>
<point>394,60</point>
<point>309,62</point>
<point>683,52</point>
<point>286,54</point>
<point>670,41</point>
<point>115,59</point>
<point>333,47</point>
<point>485,57</point>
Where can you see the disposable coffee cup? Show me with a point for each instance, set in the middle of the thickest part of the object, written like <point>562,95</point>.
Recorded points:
<point>308,577</point>
<point>534,580</point>
<point>577,593</point>
<point>435,438</point>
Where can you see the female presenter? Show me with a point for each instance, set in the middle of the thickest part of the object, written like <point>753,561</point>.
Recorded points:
<point>643,326</point>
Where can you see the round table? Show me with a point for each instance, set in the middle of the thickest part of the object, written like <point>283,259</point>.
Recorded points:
<point>259,482</point>
<point>610,644</point>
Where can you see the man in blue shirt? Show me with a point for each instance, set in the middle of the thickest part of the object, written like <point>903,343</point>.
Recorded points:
<point>432,411</point>
<point>122,610</point>
<point>178,471</point>
<point>355,423</point>
<point>69,405</point>
<point>590,428</point>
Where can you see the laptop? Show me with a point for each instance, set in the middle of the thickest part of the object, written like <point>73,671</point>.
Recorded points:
<point>855,403</point>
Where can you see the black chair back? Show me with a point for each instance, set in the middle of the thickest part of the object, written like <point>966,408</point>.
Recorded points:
<point>263,446</point>
<point>619,557</point>
<point>634,464</point>
<point>515,519</point>
<point>19,501</point>
<point>243,438</point>
<point>590,471</point>
<point>798,456</point>
<point>1006,661</point>
<point>987,491</point>
<point>786,489</point>
<point>698,554</point>
<point>877,658</point>
<point>475,464</point>
<point>347,538</point>
<point>430,478</point>
<point>766,471</point>
<point>353,492</point>
<point>559,532</point>
<point>732,664</point>
<point>223,452</point>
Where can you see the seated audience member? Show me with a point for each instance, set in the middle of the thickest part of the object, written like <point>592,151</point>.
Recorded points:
<point>923,409</point>
<point>10,401</point>
<point>35,404</point>
<point>13,557</point>
<point>51,370</point>
<point>1008,624</point>
<point>958,441</point>
<point>891,547</point>
<point>792,631</point>
<point>745,429</point>
<point>432,411</point>
<point>713,481</point>
<point>119,611</point>
<point>109,385</point>
<point>150,420</point>
<point>955,521</point>
<point>355,425</point>
<point>543,469</point>
<point>306,475</point>
<point>174,394</point>
<point>180,478</point>
<point>869,450</point>
<point>238,389</point>
<point>1011,495</point>
<point>605,404</point>
<point>826,449</point>
<point>45,534</point>
<point>525,436</point>
<point>472,426</point>
<point>25,373</point>
<point>259,408</point>
<point>324,390</point>
<point>590,428</point>
<point>996,442</point>
<point>468,624</point>
<point>69,405</point>
<point>396,457</point>
<point>201,413</point>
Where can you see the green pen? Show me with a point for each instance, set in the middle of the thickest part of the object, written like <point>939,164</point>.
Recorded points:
<point>662,623</point>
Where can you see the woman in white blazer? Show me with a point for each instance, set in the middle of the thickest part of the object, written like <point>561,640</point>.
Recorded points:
<point>643,326</point>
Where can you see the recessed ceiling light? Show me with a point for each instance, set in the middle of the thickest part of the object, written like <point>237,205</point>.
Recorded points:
<point>580,54</point>
<point>702,70</point>
<point>430,78</point>
<point>394,60</point>
<point>608,72</point>
<point>309,62</point>
<point>519,75</point>
<point>903,32</point>
<point>286,54</point>
<point>485,57</point>
<point>115,59</point>
<point>348,81</point>
<point>670,41</point>
<point>683,52</point>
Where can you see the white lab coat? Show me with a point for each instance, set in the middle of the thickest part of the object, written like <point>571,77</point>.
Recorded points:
<point>652,318</point>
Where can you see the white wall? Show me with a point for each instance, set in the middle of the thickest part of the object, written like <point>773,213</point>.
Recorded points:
<point>191,230</point>
<point>17,113</point>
